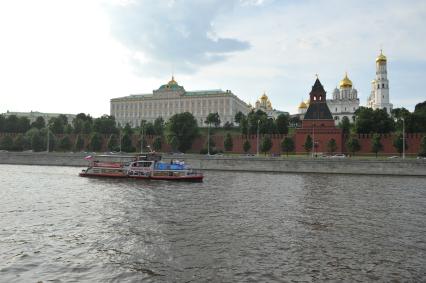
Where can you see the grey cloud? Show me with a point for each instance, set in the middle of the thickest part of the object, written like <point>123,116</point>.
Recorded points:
<point>175,33</point>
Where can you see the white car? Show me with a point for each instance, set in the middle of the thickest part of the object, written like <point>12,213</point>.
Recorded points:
<point>339,155</point>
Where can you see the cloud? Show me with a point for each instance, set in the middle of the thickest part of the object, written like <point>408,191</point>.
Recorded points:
<point>166,35</point>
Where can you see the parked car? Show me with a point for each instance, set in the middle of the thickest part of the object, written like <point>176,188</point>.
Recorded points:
<point>339,155</point>
<point>392,157</point>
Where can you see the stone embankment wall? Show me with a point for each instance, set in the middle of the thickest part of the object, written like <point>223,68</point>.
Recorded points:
<point>250,164</point>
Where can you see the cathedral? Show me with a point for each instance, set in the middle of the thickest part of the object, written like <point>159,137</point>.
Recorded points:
<point>345,101</point>
<point>379,97</point>
<point>264,104</point>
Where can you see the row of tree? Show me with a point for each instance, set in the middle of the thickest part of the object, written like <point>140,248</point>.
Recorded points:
<point>369,121</point>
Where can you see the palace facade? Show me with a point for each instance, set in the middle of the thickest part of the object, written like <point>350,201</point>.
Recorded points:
<point>171,99</point>
<point>33,115</point>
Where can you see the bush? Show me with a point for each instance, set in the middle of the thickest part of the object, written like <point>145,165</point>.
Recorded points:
<point>6,143</point>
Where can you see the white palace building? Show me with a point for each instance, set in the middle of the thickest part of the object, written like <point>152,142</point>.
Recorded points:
<point>170,99</point>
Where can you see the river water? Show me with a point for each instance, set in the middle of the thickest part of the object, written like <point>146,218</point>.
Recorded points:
<point>233,227</point>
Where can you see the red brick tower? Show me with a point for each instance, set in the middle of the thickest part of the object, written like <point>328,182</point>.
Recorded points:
<point>318,123</point>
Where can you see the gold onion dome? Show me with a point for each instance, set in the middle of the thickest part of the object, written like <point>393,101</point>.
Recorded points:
<point>302,105</point>
<point>264,97</point>
<point>381,57</point>
<point>346,82</point>
<point>172,81</point>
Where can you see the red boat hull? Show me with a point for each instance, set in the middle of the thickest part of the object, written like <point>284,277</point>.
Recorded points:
<point>102,175</point>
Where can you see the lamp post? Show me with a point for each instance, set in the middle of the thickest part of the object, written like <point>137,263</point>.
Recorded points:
<point>120,139</point>
<point>142,128</point>
<point>313,140</point>
<point>208,140</point>
<point>48,139</point>
<point>403,138</point>
<point>257,138</point>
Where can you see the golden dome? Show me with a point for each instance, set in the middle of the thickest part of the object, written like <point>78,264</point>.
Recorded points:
<point>346,82</point>
<point>264,97</point>
<point>302,105</point>
<point>172,81</point>
<point>381,57</point>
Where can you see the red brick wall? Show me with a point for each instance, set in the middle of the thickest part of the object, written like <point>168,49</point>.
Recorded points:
<point>322,136</point>
<point>412,140</point>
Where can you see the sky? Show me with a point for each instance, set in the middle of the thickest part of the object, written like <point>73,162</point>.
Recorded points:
<point>74,56</point>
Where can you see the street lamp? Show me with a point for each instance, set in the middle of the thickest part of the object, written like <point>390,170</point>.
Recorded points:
<point>403,138</point>
<point>142,128</point>
<point>257,138</point>
<point>48,139</point>
<point>313,140</point>
<point>208,140</point>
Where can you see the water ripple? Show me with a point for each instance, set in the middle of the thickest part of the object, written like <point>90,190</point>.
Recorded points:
<point>234,227</point>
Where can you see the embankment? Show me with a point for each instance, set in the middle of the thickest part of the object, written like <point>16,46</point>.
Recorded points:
<point>250,164</point>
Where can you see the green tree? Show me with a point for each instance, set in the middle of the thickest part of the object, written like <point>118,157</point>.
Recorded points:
<point>332,145</point>
<point>422,150</point>
<point>11,124</point>
<point>21,143</point>
<point>213,119</point>
<point>2,123</point>
<point>39,123</point>
<point>228,143</point>
<point>112,143</point>
<point>126,143</point>
<point>282,124</point>
<point>82,123</point>
<point>294,121</point>
<point>398,143</point>
<point>56,125</point>
<point>228,125</point>
<point>183,127</point>
<point>345,125</point>
<point>23,125</point>
<point>308,144</point>
<point>37,142</point>
<point>239,117</point>
<point>157,144</point>
<point>352,144</point>
<point>79,143</point>
<point>287,145</point>
<point>159,126</point>
<point>212,145</point>
<point>369,121</point>
<point>266,144</point>
<point>376,145</point>
<point>68,129</point>
<point>148,129</point>
<point>87,127</point>
<point>95,143</point>
<point>65,143</point>
<point>127,130</point>
<point>246,146</point>
<point>174,143</point>
<point>6,143</point>
<point>105,125</point>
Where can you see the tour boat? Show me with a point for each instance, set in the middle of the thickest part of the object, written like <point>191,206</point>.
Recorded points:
<point>104,169</point>
<point>147,166</point>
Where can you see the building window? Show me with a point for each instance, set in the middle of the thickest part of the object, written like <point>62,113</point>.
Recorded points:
<point>383,85</point>
<point>378,86</point>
